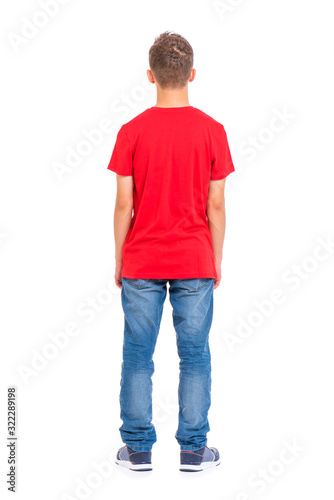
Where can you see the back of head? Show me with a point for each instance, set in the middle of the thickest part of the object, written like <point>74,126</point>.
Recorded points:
<point>171,60</point>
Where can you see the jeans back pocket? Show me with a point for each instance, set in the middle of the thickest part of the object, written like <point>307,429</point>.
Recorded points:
<point>136,282</point>
<point>195,284</point>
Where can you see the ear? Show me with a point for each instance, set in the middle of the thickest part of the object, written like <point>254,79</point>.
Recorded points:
<point>192,75</point>
<point>150,76</point>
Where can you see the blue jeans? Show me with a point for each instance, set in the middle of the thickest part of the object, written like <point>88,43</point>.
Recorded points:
<point>142,302</point>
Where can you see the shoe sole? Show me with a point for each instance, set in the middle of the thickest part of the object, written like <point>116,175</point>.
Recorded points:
<point>198,468</point>
<point>134,467</point>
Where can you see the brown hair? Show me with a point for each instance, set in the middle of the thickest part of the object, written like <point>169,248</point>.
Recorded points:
<point>171,60</point>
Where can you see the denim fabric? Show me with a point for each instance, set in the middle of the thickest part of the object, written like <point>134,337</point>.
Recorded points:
<point>142,302</point>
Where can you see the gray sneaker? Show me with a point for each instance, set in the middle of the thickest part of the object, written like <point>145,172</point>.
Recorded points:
<point>134,460</point>
<point>198,460</point>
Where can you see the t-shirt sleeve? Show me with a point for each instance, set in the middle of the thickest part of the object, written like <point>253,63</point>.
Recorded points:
<point>121,158</point>
<point>221,163</point>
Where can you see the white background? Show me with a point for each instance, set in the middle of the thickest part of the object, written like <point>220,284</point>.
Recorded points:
<point>272,382</point>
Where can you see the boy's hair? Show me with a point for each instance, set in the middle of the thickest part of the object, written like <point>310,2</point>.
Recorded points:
<point>171,59</point>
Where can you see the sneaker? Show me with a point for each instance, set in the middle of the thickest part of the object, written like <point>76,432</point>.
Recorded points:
<point>197,460</point>
<point>134,460</point>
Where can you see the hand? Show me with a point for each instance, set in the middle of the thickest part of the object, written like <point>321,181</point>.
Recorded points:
<point>118,272</point>
<point>216,281</point>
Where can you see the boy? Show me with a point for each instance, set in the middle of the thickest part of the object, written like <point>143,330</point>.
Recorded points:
<point>171,162</point>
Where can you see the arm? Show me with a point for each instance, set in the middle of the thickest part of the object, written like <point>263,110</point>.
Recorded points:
<point>217,221</point>
<point>122,220</point>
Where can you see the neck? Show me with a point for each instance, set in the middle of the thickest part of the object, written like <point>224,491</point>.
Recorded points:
<point>172,98</point>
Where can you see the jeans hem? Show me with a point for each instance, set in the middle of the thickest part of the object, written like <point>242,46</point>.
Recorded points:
<point>191,447</point>
<point>139,448</point>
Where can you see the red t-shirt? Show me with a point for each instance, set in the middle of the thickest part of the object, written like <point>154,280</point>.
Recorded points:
<point>172,154</point>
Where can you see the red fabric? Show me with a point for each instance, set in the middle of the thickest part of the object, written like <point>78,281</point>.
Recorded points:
<point>172,154</point>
